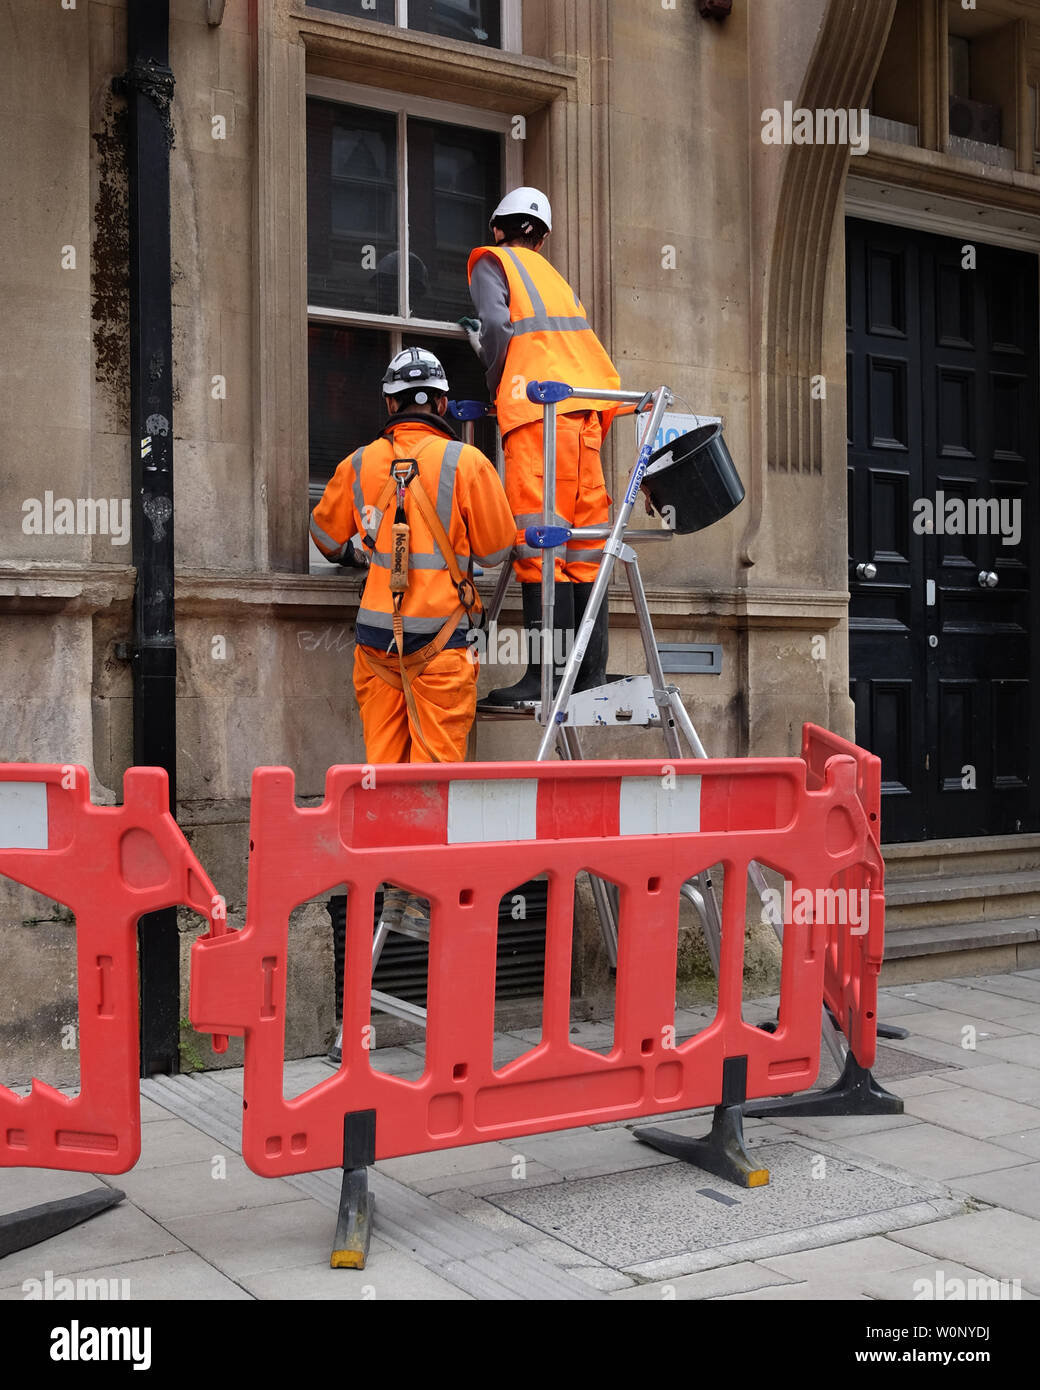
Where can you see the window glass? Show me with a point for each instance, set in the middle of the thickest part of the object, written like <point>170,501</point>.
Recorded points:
<point>384,10</point>
<point>473,21</point>
<point>454,183</point>
<point>345,367</point>
<point>959,51</point>
<point>352,251</point>
<point>465,381</point>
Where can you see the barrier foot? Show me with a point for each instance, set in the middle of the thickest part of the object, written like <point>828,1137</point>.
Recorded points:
<point>354,1225</point>
<point>20,1229</point>
<point>721,1152</point>
<point>854,1093</point>
<point>356,1208</point>
<point>892,1030</point>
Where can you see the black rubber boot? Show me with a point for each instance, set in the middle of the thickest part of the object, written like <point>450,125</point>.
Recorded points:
<point>529,686</point>
<point>593,670</point>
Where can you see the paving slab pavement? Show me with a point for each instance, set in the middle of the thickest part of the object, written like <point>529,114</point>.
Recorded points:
<point>1016,1189</point>
<point>473,1223</point>
<point>1001,1244</point>
<point>973,1112</point>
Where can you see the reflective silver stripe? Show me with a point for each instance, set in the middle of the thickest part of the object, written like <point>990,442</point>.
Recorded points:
<point>495,558</point>
<point>539,321</point>
<point>446,485</point>
<point>523,519</point>
<point>359,496</point>
<point>371,617</point>
<point>543,324</point>
<point>331,549</point>
<point>592,556</point>
<point>529,552</point>
<point>537,302</point>
<point>421,561</point>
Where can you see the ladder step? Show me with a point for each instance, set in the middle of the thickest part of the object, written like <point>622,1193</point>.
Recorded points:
<point>390,1004</point>
<point>629,700</point>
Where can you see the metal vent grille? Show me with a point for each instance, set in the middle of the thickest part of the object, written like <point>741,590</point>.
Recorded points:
<point>403,964</point>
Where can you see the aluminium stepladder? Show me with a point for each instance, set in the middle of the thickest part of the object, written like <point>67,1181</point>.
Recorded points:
<point>646,700</point>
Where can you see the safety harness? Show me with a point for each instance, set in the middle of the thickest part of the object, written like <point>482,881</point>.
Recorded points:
<point>404,472</point>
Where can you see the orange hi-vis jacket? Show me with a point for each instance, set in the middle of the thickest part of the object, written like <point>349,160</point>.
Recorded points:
<point>551,339</point>
<point>469,500</point>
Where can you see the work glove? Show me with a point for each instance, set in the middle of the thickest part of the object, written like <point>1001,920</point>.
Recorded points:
<point>354,558</point>
<point>472,327</point>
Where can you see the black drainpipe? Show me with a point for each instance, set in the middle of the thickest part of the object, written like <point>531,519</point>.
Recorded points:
<point>148,87</point>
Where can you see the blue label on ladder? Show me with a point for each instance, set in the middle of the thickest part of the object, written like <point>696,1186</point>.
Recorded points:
<point>468,410</point>
<point>548,392</point>
<point>637,476</point>
<point>545,537</point>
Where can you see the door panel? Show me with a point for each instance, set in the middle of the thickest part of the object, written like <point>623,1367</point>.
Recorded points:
<point>942,384</point>
<point>884,459</point>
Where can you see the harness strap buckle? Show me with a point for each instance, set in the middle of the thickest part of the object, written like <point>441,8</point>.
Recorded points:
<point>467,592</point>
<point>403,479</point>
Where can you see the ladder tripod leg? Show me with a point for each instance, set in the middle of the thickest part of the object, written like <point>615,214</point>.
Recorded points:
<point>570,749</point>
<point>693,892</point>
<point>502,584</point>
<point>699,889</point>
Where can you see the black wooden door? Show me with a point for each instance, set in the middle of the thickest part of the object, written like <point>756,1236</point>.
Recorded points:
<point>942,457</point>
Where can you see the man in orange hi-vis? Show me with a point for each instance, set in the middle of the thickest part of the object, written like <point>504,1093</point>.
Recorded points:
<point>532,327</point>
<point>426,506</point>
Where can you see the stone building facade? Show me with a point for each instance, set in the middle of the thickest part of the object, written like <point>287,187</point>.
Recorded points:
<point>708,257</point>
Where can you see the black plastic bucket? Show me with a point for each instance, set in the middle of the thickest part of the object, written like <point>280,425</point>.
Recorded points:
<point>695,478</point>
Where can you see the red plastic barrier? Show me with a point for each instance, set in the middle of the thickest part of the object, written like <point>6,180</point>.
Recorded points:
<point>464,835</point>
<point>109,865</point>
<point>850,983</point>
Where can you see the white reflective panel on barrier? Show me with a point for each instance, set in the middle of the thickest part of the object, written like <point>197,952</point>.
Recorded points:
<point>23,815</point>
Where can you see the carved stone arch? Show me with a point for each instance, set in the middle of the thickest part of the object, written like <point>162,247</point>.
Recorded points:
<point>839,76</point>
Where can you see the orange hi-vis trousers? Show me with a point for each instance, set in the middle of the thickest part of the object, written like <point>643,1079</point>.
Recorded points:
<point>445,697</point>
<point>581,493</point>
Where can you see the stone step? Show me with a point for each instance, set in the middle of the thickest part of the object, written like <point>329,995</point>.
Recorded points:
<point>951,951</point>
<point>961,936</point>
<point>960,898</point>
<point>973,854</point>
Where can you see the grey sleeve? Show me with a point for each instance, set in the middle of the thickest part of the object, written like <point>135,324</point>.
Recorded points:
<point>489,289</point>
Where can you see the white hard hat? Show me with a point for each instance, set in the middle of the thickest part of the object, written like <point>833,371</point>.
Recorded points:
<point>412,367</point>
<point>524,201</point>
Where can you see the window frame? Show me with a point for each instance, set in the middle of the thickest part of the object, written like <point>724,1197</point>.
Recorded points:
<point>403,105</point>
